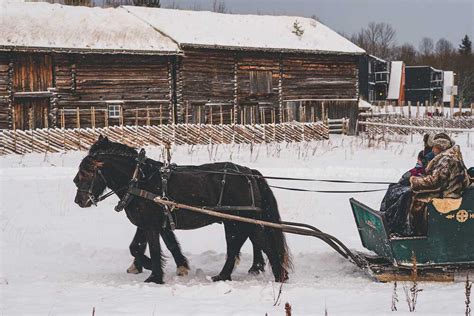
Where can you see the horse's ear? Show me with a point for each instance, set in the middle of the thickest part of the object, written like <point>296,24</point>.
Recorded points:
<point>102,138</point>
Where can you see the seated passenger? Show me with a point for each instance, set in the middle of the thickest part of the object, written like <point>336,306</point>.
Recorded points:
<point>424,157</point>
<point>446,177</point>
<point>397,200</point>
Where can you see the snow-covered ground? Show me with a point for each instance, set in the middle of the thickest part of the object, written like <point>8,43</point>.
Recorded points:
<point>59,259</point>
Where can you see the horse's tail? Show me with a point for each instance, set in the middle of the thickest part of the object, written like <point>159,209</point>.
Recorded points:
<point>275,236</point>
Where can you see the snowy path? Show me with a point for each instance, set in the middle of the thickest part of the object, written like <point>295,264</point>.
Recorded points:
<point>58,259</point>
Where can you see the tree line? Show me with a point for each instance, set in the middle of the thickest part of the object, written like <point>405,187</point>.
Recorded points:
<point>379,39</point>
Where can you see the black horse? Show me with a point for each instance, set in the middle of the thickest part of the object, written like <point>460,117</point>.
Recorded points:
<point>112,165</point>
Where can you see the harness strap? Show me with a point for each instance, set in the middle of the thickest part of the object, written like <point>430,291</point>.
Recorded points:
<point>127,198</point>
<point>152,196</point>
<point>143,193</point>
<point>165,176</point>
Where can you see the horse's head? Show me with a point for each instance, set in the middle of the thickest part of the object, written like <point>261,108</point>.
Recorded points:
<point>89,181</point>
<point>108,164</point>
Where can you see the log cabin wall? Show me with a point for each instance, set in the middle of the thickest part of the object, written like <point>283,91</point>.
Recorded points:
<point>137,87</point>
<point>320,77</point>
<point>259,84</point>
<point>320,86</point>
<point>206,85</point>
<point>77,90</point>
<point>258,76</point>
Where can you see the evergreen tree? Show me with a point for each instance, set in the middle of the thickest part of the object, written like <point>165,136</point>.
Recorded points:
<point>466,46</point>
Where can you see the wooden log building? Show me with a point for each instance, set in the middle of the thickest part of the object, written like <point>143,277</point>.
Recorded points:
<point>91,67</point>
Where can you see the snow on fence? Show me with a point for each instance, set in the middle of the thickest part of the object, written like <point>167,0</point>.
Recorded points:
<point>57,139</point>
<point>406,126</point>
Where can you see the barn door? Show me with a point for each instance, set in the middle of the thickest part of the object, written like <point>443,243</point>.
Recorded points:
<point>32,76</point>
<point>31,113</point>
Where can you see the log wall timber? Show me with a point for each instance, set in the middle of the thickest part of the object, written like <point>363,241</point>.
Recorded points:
<point>5,91</point>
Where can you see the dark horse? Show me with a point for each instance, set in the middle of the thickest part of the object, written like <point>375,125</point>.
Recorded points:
<point>112,165</point>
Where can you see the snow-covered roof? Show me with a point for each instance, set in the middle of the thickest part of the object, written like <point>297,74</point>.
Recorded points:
<point>448,83</point>
<point>394,85</point>
<point>253,32</point>
<point>52,26</point>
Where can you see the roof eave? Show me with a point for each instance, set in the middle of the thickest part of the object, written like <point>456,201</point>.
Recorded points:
<point>14,48</point>
<point>268,49</point>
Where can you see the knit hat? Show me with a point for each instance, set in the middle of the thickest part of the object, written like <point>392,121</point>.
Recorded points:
<point>428,140</point>
<point>442,143</point>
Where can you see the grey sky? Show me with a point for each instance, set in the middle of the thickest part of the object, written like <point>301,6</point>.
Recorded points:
<point>412,19</point>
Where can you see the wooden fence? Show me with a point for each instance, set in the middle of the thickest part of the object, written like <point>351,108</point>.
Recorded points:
<point>58,140</point>
<point>406,126</point>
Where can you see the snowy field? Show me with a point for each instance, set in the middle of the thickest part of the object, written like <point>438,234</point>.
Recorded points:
<point>59,259</point>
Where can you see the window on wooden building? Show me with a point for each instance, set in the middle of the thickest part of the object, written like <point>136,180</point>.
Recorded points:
<point>114,111</point>
<point>261,82</point>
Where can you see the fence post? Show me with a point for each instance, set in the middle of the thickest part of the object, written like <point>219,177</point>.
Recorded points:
<point>106,118</point>
<point>186,119</point>
<point>93,116</point>
<point>121,116</point>
<point>78,118</point>
<point>210,113</point>
<point>222,114</point>
<point>148,116</point>
<point>322,112</point>
<point>161,114</point>
<point>45,117</point>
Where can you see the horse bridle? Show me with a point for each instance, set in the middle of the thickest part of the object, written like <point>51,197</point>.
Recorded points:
<point>90,192</point>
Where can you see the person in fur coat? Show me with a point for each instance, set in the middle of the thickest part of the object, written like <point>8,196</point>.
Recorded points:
<point>446,177</point>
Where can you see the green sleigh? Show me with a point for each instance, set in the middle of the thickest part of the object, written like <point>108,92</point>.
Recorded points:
<point>447,250</point>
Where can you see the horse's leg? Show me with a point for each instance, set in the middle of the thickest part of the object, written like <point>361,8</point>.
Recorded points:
<point>235,235</point>
<point>137,250</point>
<point>157,261</point>
<point>258,264</point>
<point>266,242</point>
<point>173,246</point>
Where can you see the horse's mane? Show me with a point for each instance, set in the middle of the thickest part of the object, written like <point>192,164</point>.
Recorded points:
<point>105,147</point>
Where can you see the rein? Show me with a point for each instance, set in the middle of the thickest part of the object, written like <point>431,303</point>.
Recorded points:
<point>285,178</point>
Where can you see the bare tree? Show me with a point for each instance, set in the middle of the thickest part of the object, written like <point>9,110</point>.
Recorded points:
<point>407,53</point>
<point>219,6</point>
<point>377,39</point>
<point>426,46</point>
<point>444,52</point>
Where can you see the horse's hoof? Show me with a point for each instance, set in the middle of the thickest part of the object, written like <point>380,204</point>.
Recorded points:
<point>133,269</point>
<point>256,269</point>
<point>154,279</point>
<point>282,278</point>
<point>221,278</point>
<point>182,271</point>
